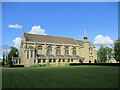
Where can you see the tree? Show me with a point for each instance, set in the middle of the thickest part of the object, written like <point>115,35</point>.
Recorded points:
<point>117,50</point>
<point>102,54</point>
<point>3,62</point>
<point>13,53</point>
<point>109,53</point>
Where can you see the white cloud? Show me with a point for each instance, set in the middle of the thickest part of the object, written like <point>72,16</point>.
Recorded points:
<point>17,42</point>
<point>101,40</point>
<point>34,30</point>
<point>4,49</point>
<point>15,26</point>
<point>37,30</point>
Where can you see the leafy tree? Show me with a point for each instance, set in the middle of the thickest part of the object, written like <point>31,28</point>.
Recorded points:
<point>117,50</point>
<point>13,53</point>
<point>102,54</point>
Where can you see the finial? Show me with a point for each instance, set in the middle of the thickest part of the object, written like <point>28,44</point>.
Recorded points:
<point>72,35</point>
<point>85,35</point>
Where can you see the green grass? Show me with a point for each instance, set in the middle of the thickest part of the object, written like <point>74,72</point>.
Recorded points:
<point>61,77</point>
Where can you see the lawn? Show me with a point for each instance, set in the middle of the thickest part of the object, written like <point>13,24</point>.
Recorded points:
<point>61,77</point>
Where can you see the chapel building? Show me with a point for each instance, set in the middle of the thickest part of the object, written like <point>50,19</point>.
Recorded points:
<point>53,50</point>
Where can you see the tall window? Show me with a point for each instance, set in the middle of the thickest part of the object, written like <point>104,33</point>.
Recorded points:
<point>31,53</point>
<point>74,51</point>
<point>58,51</point>
<point>49,50</point>
<point>27,54</point>
<point>66,50</point>
<point>90,50</point>
<point>39,50</point>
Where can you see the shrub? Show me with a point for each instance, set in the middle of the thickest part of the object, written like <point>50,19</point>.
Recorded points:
<point>67,64</point>
<point>47,64</point>
<point>34,65</point>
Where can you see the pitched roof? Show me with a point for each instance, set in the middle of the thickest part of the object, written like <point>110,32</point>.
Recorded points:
<point>52,39</point>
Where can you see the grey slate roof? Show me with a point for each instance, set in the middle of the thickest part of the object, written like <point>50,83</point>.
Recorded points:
<point>52,39</point>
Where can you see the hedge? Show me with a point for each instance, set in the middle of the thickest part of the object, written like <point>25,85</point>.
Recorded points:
<point>102,64</point>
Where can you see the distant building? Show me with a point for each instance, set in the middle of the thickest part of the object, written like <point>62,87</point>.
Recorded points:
<point>41,49</point>
<point>112,61</point>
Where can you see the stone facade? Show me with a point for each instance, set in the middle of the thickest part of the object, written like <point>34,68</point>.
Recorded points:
<point>42,49</point>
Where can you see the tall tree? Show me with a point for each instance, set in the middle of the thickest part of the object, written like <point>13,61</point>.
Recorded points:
<point>117,50</point>
<point>13,53</point>
<point>3,62</point>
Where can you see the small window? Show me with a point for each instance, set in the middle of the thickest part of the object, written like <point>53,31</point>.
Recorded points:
<point>71,60</point>
<point>79,60</point>
<point>44,60</point>
<point>39,60</point>
<point>63,60</point>
<point>59,60</point>
<point>90,50</point>
<point>19,61</point>
<point>53,60</point>
<point>50,60</point>
<point>68,60</point>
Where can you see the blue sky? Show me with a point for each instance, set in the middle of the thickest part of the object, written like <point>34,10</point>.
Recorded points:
<point>61,19</point>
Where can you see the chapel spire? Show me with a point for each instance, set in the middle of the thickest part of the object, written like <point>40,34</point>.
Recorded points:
<point>85,36</point>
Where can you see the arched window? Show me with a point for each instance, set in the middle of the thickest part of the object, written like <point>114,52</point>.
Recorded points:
<point>74,51</point>
<point>49,50</point>
<point>66,50</point>
<point>39,50</point>
<point>90,50</point>
<point>58,51</point>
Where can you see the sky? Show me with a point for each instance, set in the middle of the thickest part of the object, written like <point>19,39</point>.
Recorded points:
<point>64,19</point>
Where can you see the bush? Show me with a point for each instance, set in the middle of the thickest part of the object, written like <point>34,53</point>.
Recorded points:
<point>42,65</point>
